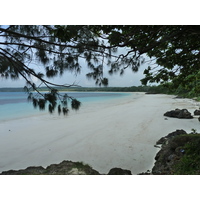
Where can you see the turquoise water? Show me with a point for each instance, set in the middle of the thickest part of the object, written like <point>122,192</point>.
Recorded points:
<point>15,105</point>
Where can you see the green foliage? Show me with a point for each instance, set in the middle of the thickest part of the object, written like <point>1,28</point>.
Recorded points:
<point>175,48</point>
<point>189,164</point>
<point>52,100</point>
<point>75,104</point>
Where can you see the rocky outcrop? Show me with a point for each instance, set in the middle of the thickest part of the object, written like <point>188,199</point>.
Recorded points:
<point>197,112</point>
<point>119,171</point>
<point>148,172</point>
<point>171,153</point>
<point>64,168</point>
<point>28,171</point>
<point>170,135</point>
<point>177,113</point>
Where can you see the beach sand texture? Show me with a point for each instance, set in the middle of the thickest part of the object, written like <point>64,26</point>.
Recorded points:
<point>118,134</point>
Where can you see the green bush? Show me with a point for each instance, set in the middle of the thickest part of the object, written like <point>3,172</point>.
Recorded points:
<point>189,164</point>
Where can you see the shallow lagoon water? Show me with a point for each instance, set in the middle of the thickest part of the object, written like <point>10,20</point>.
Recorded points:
<point>15,105</point>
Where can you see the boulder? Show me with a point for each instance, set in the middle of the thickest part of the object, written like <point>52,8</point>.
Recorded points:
<point>170,135</point>
<point>184,113</point>
<point>119,171</point>
<point>197,112</point>
<point>177,113</point>
<point>172,113</point>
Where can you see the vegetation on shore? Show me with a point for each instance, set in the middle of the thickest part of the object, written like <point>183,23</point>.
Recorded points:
<point>190,161</point>
<point>191,91</point>
<point>91,89</point>
<point>179,155</point>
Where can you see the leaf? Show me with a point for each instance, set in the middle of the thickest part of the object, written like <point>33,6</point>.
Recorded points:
<point>104,81</point>
<point>65,110</point>
<point>41,104</point>
<point>35,102</point>
<point>75,104</point>
<point>30,97</point>
<point>59,109</point>
<point>51,108</point>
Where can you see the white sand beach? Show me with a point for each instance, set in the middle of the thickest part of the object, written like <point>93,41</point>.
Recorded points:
<point>118,134</point>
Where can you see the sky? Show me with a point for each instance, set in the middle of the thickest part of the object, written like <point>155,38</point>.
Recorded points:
<point>128,79</point>
<point>146,13</point>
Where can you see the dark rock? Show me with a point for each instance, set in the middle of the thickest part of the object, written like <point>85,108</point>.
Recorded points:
<point>177,113</point>
<point>119,171</point>
<point>11,172</point>
<point>170,154</point>
<point>156,146</point>
<point>184,113</point>
<point>197,112</point>
<point>170,135</point>
<point>172,113</point>
<point>175,133</point>
<point>28,170</point>
<point>71,168</point>
<point>148,172</point>
<point>161,141</point>
<point>64,168</point>
<point>179,97</point>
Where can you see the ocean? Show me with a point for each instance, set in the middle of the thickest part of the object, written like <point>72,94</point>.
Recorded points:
<point>14,105</point>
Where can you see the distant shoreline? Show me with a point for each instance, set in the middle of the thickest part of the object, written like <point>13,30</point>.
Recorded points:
<point>88,89</point>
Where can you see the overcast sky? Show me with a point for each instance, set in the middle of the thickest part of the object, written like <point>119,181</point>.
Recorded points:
<point>143,13</point>
<point>127,79</point>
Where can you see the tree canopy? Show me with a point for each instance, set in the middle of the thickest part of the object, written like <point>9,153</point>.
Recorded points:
<point>174,48</point>
<point>173,53</point>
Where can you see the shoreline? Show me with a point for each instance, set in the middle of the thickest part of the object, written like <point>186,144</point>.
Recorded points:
<point>30,111</point>
<point>121,134</point>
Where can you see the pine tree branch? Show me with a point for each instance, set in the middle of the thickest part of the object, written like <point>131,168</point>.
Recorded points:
<point>30,71</point>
